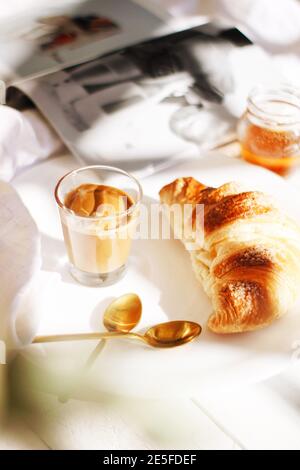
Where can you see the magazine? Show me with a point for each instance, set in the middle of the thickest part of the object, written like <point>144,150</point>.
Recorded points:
<point>54,35</point>
<point>143,97</point>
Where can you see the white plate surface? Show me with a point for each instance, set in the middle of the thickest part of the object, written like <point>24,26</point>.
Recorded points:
<point>160,272</point>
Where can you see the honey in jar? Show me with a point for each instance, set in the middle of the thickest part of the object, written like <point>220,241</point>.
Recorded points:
<point>269,130</point>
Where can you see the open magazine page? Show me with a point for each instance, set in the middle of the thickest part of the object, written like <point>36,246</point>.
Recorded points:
<point>151,101</point>
<point>52,35</point>
<point>108,111</point>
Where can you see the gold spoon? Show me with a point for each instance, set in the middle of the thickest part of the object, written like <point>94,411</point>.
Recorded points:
<point>122,315</point>
<point>164,335</point>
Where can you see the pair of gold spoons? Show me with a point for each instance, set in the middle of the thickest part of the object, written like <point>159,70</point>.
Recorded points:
<point>122,315</point>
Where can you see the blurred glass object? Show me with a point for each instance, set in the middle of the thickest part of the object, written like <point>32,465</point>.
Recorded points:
<point>207,126</point>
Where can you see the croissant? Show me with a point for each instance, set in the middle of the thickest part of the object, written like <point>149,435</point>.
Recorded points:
<point>249,261</point>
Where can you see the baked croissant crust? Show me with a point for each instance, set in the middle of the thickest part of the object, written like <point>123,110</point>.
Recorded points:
<point>249,261</point>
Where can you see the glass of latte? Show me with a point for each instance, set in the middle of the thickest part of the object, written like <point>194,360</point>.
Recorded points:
<point>99,210</point>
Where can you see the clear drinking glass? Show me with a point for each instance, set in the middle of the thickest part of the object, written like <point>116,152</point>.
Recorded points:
<point>98,245</point>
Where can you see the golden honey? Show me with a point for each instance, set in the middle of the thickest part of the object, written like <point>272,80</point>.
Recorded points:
<point>269,131</point>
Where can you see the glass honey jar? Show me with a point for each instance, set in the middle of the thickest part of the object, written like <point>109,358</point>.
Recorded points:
<point>269,130</point>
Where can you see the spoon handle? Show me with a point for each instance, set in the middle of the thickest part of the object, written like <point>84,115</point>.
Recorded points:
<point>85,336</point>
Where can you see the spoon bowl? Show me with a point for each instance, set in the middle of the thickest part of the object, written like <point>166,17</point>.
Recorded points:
<point>123,314</point>
<point>172,334</point>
